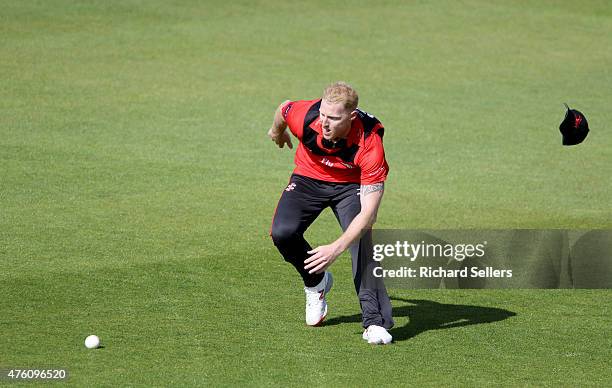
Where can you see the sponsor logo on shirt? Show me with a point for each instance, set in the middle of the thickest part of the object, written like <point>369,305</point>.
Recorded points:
<point>286,109</point>
<point>377,171</point>
<point>327,162</point>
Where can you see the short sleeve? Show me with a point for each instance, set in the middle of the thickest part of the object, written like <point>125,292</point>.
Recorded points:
<point>290,114</point>
<point>371,160</point>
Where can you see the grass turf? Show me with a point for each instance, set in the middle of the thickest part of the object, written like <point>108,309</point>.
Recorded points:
<point>137,186</point>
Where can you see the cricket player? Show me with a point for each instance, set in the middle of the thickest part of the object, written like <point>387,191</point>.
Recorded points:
<point>340,163</point>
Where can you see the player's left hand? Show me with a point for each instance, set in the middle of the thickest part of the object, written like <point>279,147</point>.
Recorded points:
<point>322,257</point>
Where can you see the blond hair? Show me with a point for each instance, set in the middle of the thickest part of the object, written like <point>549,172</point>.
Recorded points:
<point>341,92</point>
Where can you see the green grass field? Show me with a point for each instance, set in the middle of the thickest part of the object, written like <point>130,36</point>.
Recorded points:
<point>137,186</point>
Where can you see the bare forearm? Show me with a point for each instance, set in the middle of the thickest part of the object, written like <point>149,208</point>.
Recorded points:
<point>277,132</point>
<point>323,256</point>
<point>370,197</point>
<point>279,124</point>
<point>360,224</point>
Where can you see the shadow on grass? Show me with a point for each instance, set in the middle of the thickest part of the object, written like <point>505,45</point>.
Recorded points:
<point>424,315</point>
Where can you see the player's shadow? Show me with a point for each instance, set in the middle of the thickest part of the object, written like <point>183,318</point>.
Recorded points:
<point>424,315</point>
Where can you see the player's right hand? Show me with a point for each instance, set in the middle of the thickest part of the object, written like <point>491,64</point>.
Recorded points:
<point>280,140</point>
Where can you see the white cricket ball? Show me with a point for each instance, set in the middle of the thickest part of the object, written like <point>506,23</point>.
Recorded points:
<point>92,342</point>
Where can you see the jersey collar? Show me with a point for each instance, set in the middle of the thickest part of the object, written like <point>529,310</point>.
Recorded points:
<point>352,138</point>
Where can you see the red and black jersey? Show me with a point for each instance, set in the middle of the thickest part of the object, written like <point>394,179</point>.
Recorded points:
<point>359,159</point>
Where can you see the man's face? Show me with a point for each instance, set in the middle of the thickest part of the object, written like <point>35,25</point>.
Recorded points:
<point>335,120</point>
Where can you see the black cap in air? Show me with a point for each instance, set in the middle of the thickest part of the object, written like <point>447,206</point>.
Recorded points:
<point>574,127</point>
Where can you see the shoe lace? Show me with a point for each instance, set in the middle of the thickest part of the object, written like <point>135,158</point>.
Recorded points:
<point>312,297</point>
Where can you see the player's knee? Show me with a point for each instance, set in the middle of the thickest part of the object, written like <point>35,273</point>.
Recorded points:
<point>283,233</point>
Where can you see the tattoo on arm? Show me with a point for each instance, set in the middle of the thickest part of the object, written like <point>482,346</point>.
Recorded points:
<point>367,189</point>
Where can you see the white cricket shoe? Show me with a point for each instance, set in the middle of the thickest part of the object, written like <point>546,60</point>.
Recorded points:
<point>316,306</point>
<point>377,335</point>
